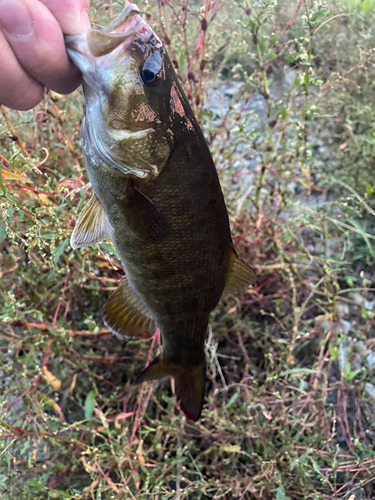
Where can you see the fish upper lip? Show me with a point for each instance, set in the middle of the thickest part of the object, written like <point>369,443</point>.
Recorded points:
<point>121,18</point>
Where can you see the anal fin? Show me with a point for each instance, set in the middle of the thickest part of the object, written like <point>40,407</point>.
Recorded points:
<point>240,275</point>
<point>124,314</point>
<point>189,383</point>
<point>92,225</point>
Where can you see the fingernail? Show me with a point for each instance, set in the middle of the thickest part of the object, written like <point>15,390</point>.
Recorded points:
<point>15,19</point>
<point>85,21</point>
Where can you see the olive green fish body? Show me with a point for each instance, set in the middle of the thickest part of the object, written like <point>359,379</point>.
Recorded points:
<point>157,196</point>
<point>189,264</point>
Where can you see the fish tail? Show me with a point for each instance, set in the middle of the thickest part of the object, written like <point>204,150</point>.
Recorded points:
<point>189,383</point>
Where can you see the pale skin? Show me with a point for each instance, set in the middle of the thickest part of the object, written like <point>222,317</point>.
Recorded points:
<point>32,50</point>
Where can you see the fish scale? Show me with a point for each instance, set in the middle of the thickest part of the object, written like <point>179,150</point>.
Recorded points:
<point>157,196</point>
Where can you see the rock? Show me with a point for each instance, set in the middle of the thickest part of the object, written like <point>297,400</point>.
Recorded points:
<point>358,299</point>
<point>370,359</point>
<point>342,310</point>
<point>369,305</point>
<point>344,327</point>
<point>343,355</point>
<point>341,327</point>
<point>370,389</point>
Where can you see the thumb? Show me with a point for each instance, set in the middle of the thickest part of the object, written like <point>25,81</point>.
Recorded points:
<point>72,15</point>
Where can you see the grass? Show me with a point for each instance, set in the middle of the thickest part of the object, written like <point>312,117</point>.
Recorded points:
<point>289,411</point>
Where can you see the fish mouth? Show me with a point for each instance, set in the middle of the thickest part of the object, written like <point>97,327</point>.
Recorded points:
<point>96,43</point>
<point>103,41</point>
<point>86,50</point>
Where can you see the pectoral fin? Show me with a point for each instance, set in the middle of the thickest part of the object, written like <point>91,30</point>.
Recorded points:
<point>124,314</point>
<point>240,275</point>
<point>144,217</point>
<point>92,225</point>
<point>189,383</point>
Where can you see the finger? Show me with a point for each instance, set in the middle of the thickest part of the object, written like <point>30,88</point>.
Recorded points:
<point>72,15</point>
<point>37,41</point>
<point>18,90</point>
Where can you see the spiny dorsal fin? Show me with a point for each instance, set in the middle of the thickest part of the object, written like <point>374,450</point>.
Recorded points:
<point>240,276</point>
<point>92,225</point>
<point>124,314</point>
<point>189,383</point>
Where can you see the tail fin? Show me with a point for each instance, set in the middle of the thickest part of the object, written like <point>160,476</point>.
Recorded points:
<point>189,383</point>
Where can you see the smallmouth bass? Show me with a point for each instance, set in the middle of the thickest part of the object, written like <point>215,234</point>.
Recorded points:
<point>157,196</point>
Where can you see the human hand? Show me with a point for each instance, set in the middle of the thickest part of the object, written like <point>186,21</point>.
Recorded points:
<point>32,50</point>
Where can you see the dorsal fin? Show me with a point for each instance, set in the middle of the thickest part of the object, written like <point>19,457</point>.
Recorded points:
<point>92,225</point>
<point>124,314</point>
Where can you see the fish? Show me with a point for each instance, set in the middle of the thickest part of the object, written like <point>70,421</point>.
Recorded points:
<point>157,196</point>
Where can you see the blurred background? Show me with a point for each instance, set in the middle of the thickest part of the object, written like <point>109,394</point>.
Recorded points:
<point>284,92</point>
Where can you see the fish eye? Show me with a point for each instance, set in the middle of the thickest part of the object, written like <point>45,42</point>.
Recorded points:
<point>148,76</point>
<point>151,70</point>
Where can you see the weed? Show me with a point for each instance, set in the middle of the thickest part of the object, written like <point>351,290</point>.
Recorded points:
<point>284,94</point>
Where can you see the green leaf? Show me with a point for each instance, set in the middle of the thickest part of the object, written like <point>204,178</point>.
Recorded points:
<point>47,235</point>
<point>10,212</point>
<point>58,494</point>
<point>61,207</point>
<point>334,352</point>
<point>12,199</point>
<point>280,493</point>
<point>348,374</point>
<point>350,281</point>
<point>252,25</point>
<point>60,249</point>
<point>232,400</point>
<point>82,201</point>
<point>366,5</point>
<point>235,448</point>
<point>3,230</point>
<point>369,189</point>
<point>274,39</point>
<point>54,332</point>
<point>2,187</point>
<point>261,43</point>
<point>318,13</point>
<point>36,484</point>
<point>7,459</point>
<point>108,248</point>
<point>89,404</point>
<point>363,234</point>
<point>283,112</point>
<point>293,57</point>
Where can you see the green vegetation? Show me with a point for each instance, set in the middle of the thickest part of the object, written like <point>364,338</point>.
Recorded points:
<point>285,94</point>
